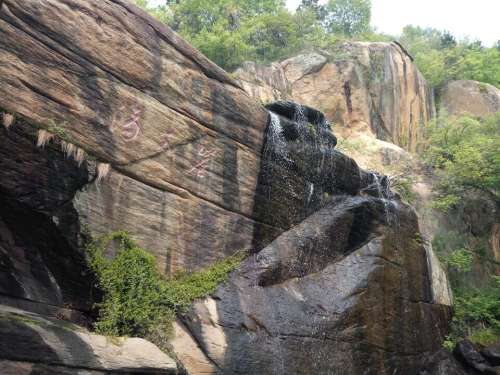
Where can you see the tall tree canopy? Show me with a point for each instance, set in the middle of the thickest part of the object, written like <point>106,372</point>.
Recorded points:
<point>230,32</point>
<point>349,17</point>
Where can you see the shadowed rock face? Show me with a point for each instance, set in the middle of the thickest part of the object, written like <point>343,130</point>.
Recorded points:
<point>346,291</point>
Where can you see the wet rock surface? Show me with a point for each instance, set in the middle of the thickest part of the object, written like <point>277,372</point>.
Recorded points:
<point>347,290</point>
<point>467,353</point>
<point>318,298</point>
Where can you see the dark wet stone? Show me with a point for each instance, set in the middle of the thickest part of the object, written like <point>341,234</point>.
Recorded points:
<point>492,354</point>
<point>467,353</point>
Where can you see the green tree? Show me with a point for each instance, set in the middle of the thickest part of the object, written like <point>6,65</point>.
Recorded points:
<point>465,154</point>
<point>441,58</point>
<point>318,10</point>
<point>349,17</point>
<point>232,31</point>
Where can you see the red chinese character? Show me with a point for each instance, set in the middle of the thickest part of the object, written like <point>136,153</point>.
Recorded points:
<point>132,128</point>
<point>200,167</point>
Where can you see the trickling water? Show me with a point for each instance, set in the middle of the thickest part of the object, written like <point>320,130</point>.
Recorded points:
<point>311,191</point>
<point>385,195</point>
<point>275,142</point>
<point>299,115</point>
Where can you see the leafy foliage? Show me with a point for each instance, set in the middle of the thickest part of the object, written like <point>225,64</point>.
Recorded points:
<point>137,299</point>
<point>465,153</point>
<point>441,58</point>
<point>230,32</point>
<point>403,185</point>
<point>348,17</point>
<point>460,260</point>
<point>476,315</point>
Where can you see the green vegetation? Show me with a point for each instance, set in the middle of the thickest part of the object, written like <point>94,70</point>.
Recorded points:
<point>476,315</point>
<point>137,299</point>
<point>57,130</point>
<point>476,310</point>
<point>230,32</point>
<point>403,185</point>
<point>441,58</point>
<point>348,17</point>
<point>465,155</point>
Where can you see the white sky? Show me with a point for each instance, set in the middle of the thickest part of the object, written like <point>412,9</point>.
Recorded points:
<point>477,19</point>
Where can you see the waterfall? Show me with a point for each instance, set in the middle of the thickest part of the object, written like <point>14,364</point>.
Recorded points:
<point>384,194</point>
<point>299,115</point>
<point>275,142</point>
<point>310,193</point>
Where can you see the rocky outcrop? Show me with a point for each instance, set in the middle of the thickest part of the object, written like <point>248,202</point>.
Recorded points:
<point>477,362</point>
<point>112,122</point>
<point>359,86</point>
<point>180,139</point>
<point>470,98</point>
<point>33,344</point>
<point>349,289</point>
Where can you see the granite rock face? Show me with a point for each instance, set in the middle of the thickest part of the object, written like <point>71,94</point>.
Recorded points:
<point>118,124</point>
<point>168,121</point>
<point>359,86</point>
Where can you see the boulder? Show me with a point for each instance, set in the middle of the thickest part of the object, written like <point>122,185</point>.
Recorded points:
<point>492,354</point>
<point>350,288</point>
<point>467,353</point>
<point>472,98</point>
<point>346,291</point>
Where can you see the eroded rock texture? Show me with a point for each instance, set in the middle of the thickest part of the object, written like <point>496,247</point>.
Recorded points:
<point>359,86</point>
<point>179,134</point>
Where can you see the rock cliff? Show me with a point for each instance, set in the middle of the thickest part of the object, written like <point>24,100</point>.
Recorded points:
<point>359,86</point>
<point>113,122</point>
<point>347,290</point>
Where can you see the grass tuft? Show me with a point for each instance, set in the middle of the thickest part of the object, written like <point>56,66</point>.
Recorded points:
<point>102,170</point>
<point>8,120</point>
<point>44,137</point>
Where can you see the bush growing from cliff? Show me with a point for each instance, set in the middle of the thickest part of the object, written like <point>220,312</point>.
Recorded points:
<point>137,299</point>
